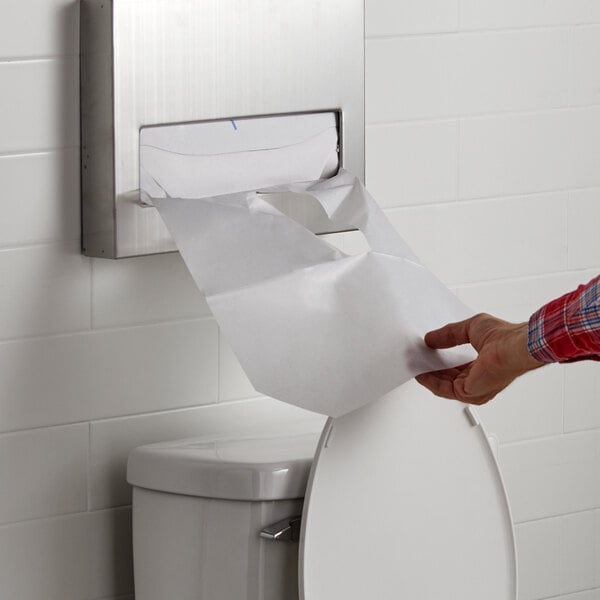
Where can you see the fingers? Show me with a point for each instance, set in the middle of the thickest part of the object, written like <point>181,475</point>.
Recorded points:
<point>437,386</point>
<point>474,383</point>
<point>453,384</point>
<point>441,383</point>
<point>453,334</point>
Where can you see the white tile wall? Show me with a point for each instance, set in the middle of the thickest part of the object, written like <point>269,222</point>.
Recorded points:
<point>431,76</point>
<point>526,153</point>
<point>45,471</point>
<point>513,154</point>
<point>84,555</point>
<point>584,72</point>
<point>491,14</point>
<point>409,77</point>
<point>144,289</point>
<point>582,142</point>
<point>45,559</point>
<point>508,71</point>
<point>53,176</point>
<point>579,546</point>
<point>413,163</point>
<point>233,382</point>
<point>466,242</point>
<point>483,145</point>
<point>538,545</point>
<point>584,240</point>
<point>39,28</point>
<point>552,476</point>
<point>407,16</point>
<point>95,375</point>
<point>582,396</point>
<point>515,299</point>
<point>46,290</point>
<point>531,407</point>
<point>39,105</point>
<point>559,556</point>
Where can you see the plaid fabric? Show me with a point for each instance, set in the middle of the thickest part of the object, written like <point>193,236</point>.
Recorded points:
<point>568,328</point>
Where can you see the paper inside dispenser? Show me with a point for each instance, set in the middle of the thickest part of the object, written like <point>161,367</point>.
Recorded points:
<point>212,158</point>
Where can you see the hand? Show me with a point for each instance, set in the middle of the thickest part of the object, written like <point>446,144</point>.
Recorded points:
<point>502,357</point>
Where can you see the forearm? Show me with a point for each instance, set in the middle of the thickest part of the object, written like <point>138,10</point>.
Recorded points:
<point>563,330</point>
<point>567,328</point>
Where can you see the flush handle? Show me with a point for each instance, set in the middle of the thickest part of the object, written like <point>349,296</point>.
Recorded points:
<point>286,530</point>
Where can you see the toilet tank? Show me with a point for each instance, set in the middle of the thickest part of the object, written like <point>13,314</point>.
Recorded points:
<point>199,506</point>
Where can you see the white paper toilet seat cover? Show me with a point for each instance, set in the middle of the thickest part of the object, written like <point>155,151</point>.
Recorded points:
<point>406,502</point>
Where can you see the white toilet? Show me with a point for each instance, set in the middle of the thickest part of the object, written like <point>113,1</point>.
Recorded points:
<point>403,500</point>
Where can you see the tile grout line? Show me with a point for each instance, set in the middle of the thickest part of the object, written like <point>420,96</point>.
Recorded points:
<point>564,401</point>
<point>560,516</point>
<point>526,112</point>
<point>64,516</point>
<point>561,558</point>
<point>549,438</point>
<point>567,262</point>
<point>482,31</point>
<point>542,438</point>
<point>123,507</point>
<point>249,399</point>
<point>566,231</point>
<point>91,309</point>
<point>218,364</point>
<point>461,30</point>
<point>109,329</point>
<point>570,94</point>
<point>493,198</point>
<point>561,596</point>
<point>41,243</point>
<point>152,413</point>
<point>13,60</point>
<point>89,464</point>
<point>458,159</point>
<point>399,121</point>
<point>466,31</point>
<point>40,152</point>
<point>523,278</point>
<point>17,432</point>
<point>462,285</point>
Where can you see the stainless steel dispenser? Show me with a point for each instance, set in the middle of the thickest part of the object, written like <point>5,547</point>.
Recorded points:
<point>181,63</point>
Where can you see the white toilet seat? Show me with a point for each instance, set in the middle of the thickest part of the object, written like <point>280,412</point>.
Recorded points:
<point>406,502</point>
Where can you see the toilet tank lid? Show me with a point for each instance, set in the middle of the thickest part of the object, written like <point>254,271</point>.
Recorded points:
<point>255,468</point>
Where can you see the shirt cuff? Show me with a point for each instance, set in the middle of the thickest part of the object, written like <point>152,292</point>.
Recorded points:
<point>552,336</point>
<point>537,344</point>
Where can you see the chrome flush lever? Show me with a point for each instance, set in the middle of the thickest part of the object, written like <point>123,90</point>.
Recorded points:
<point>285,530</point>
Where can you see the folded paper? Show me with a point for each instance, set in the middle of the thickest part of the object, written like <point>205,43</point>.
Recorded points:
<point>309,324</point>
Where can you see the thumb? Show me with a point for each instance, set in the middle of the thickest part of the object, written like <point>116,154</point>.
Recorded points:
<point>453,334</point>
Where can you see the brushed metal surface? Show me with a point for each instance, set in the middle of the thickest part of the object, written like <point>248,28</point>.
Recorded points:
<point>150,62</point>
<point>97,131</point>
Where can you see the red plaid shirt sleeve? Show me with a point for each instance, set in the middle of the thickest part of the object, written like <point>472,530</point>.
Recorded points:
<point>568,328</point>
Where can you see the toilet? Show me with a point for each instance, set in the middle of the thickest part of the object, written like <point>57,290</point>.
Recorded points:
<point>401,499</point>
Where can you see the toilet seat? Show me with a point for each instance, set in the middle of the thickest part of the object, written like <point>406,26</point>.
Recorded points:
<point>406,501</point>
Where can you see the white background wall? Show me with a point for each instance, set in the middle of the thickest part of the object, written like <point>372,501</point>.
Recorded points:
<point>483,142</point>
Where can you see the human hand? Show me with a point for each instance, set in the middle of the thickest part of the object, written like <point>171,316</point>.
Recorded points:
<point>502,357</point>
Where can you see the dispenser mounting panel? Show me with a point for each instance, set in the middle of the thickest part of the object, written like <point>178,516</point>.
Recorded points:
<point>166,62</point>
